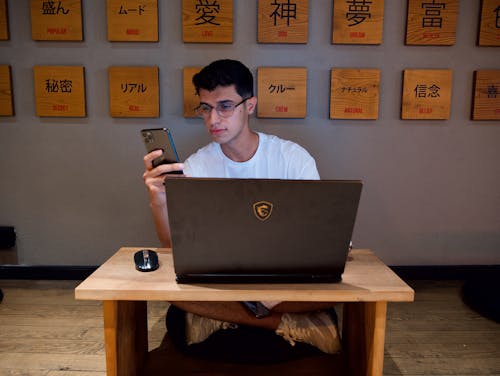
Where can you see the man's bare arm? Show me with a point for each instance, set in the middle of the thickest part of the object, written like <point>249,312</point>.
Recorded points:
<point>153,178</point>
<point>235,312</point>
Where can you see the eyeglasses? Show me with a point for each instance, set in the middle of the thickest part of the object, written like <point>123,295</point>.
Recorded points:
<point>224,109</point>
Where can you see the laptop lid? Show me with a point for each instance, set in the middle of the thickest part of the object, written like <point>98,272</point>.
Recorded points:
<point>260,230</point>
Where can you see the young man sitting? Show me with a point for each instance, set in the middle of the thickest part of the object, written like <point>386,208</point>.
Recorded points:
<point>225,89</point>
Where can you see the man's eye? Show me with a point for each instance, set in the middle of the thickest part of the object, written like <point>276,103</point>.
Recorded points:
<point>226,106</point>
<point>205,108</point>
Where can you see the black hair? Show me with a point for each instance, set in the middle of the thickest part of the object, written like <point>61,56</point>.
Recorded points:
<point>225,72</point>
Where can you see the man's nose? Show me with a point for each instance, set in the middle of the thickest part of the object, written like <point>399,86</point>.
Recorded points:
<point>213,116</point>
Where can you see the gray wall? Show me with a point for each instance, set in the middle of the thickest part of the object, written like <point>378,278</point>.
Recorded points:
<point>73,187</point>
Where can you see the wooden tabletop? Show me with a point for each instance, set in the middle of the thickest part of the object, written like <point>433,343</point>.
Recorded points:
<point>366,278</point>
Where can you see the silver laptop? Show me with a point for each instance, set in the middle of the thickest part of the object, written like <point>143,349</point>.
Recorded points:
<point>260,230</point>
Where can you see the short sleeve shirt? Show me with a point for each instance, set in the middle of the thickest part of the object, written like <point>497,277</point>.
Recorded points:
<point>275,158</point>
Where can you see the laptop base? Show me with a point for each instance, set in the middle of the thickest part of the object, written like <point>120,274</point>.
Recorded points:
<point>257,278</point>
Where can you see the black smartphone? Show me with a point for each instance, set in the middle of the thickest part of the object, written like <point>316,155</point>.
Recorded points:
<point>258,309</point>
<point>161,139</point>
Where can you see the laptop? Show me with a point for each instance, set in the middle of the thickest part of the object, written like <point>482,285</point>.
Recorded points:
<point>260,230</point>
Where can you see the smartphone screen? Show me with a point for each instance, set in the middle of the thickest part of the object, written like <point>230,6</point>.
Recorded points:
<point>161,139</point>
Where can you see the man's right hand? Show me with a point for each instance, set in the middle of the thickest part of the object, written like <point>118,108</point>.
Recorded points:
<point>154,177</point>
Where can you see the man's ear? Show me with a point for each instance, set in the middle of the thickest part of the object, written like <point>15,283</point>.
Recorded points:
<point>251,104</point>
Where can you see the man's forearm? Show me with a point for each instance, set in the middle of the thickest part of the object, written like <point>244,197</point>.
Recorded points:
<point>160,215</point>
<point>298,307</point>
<point>233,312</point>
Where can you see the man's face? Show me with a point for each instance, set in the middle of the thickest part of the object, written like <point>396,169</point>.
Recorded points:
<point>224,128</point>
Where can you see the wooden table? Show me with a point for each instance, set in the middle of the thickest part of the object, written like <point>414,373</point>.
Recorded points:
<point>366,288</point>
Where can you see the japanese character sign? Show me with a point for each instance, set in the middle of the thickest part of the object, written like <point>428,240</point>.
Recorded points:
<point>489,30</point>
<point>282,92</point>
<point>354,94</point>
<point>426,94</point>
<point>125,11</point>
<point>134,92</point>
<point>207,21</point>
<point>53,7</point>
<point>431,22</point>
<point>134,87</point>
<point>132,20</point>
<point>58,86</point>
<point>358,21</point>
<point>207,12</point>
<point>283,21</point>
<point>426,91</point>
<point>60,91</point>
<point>358,11</point>
<point>283,10</point>
<point>6,102</point>
<point>279,88</point>
<point>56,20</point>
<point>486,101</point>
<point>4,22</point>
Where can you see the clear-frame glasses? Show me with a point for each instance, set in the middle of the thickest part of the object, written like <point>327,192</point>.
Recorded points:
<point>224,109</point>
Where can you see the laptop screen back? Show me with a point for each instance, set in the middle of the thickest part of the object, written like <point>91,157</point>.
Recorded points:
<point>257,230</point>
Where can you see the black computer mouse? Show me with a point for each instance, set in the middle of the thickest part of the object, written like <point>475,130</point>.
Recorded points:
<point>146,260</point>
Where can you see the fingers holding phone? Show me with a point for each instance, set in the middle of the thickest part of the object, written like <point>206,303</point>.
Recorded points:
<point>149,157</point>
<point>163,168</point>
<point>159,171</point>
<point>154,178</point>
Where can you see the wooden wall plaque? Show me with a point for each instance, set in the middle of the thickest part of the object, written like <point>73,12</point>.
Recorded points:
<point>354,93</point>
<point>489,26</point>
<point>134,92</point>
<point>282,92</point>
<point>283,22</point>
<point>6,102</point>
<point>132,20</point>
<point>431,22</point>
<point>486,101</point>
<point>207,21</point>
<point>56,20</point>
<point>191,100</point>
<point>426,94</point>
<point>4,21</point>
<point>60,91</point>
<point>357,22</point>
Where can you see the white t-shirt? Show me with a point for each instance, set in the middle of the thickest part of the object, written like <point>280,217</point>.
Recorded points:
<point>274,159</point>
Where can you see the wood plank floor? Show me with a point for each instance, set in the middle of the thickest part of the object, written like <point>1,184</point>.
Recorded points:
<point>44,331</point>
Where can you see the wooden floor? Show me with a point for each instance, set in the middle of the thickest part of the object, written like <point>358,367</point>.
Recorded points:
<point>44,331</point>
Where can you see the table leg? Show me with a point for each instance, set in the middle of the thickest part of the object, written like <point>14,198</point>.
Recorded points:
<point>363,336</point>
<point>125,336</point>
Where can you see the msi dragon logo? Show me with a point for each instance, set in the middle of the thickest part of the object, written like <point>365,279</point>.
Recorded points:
<point>262,210</point>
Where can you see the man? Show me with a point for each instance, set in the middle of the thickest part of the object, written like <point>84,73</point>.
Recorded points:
<point>225,89</point>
